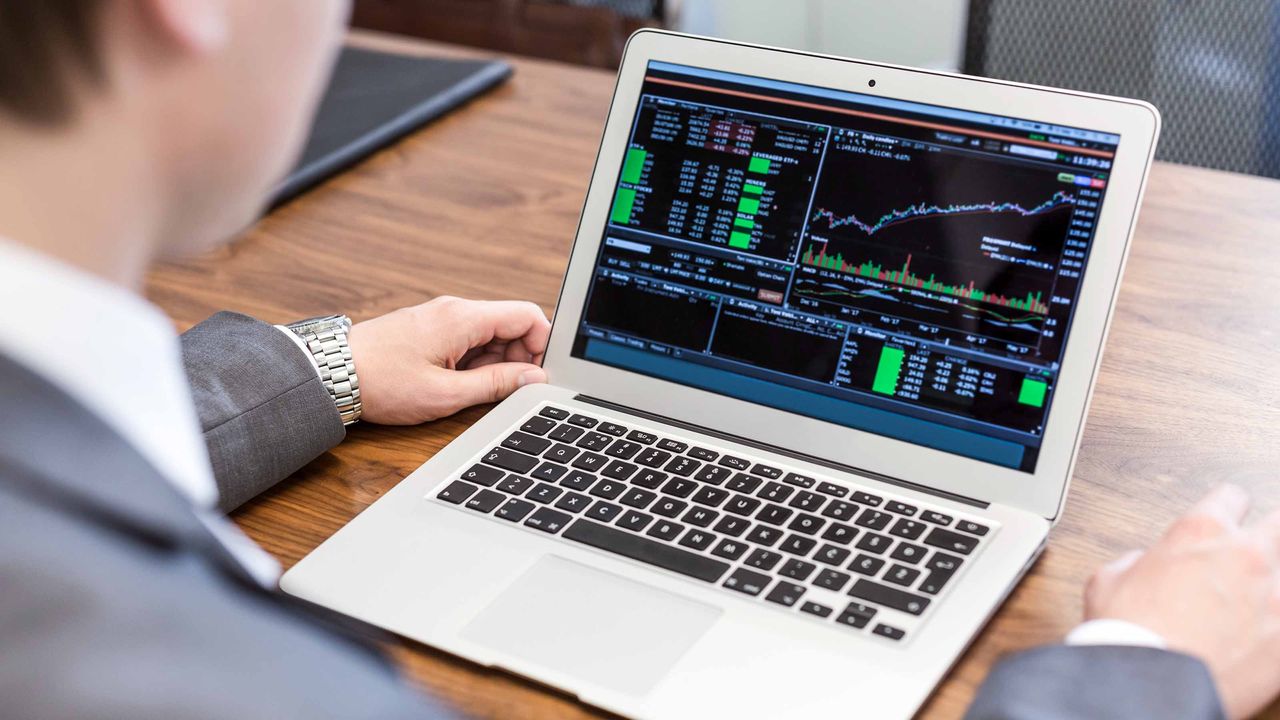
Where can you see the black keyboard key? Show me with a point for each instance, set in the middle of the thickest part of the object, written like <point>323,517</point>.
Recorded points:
<point>943,561</point>
<point>710,496</point>
<point>746,581</point>
<point>840,510</point>
<point>666,530</point>
<point>637,498</point>
<point>972,527</point>
<point>856,615</point>
<point>803,481</point>
<point>909,529</point>
<point>515,485</point>
<point>634,521</point>
<point>566,433</point>
<point>591,462</point>
<point>797,569</point>
<point>743,483</point>
<point>653,458</point>
<point>832,489</point>
<point>872,542</point>
<point>561,453</point>
<point>703,454</point>
<point>742,505</point>
<point>481,475</point>
<point>775,492</point>
<point>866,564</point>
<point>807,524</point>
<point>608,489</point>
<point>736,463</point>
<point>584,421</point>
<point>866,498</point>
<point>578,480</point>
<point>798,545</point>
<point>763,559</point>
<point>619,470</point>
<point>594,441</point>
<point>554,413</point>
<point>698,539</point>
<point>832,555</point>
<point>713,474</point>
<point>549,471</point>
<point>953,541</point>
<point>700,516</point>
<point>515,509</point>
<point>674,446</point>
<point>874,519</point>
<point>544,493</point>
<point>538,425</point>
<point>457,492</point>
<point>647,551</point>
<point>669,507</point>
<point>889,597</point>
<point>573,502</point>
<point>548,520</point>
<point>935,517</point>
<point>649,479</point>
<point>624,449</point>
<point>807,501</point>
<point>732,526</point>
<point>767,471</point>
<point>900,508</point>
<point>901,575</point>
<point>889,631</point>
<point>526,443</point>
<point>908,553</point>
<point>604,511</point>
<point>510,460</point>
<point>682,466</point>
<point>730,549</point>
<point>764,535</point>
<point>774,514</point>
<point>831,579</point>
<point>612,429</point>
<point>813,608</point>
<point>485,501</point>
<point>785,593</point>
<point>642,437</point>
<point>680,487</point>
<point>935,581</point>
<point>839,533</point>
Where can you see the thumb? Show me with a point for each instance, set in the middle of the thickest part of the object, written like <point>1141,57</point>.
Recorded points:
<point>493,382</point>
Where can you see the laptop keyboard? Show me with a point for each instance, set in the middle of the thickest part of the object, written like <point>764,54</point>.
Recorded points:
<point>863,561</point>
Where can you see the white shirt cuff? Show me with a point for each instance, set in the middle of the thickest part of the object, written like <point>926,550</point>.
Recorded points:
<point>301,346</point>
<point>1114,632</point>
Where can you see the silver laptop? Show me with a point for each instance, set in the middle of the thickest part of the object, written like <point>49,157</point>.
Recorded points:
<point>819,371</point>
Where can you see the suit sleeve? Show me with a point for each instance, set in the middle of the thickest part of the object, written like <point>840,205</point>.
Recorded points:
<point>261,404</point>
<point>1097,682</point>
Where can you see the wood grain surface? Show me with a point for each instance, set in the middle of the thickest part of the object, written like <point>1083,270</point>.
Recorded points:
<point>484,204</point>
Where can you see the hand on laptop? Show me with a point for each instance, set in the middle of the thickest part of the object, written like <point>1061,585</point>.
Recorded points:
<point>431,360</point>
<point>1211,588</point>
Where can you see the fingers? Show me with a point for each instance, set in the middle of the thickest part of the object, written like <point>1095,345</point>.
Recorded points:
<point>506,320</point>
<point>1222,509</point>
<point>1268,529</point>
<point>1103,581</point>
<point>491,382</point>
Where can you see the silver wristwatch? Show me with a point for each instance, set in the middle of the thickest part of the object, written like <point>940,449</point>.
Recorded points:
<point>326,338</point>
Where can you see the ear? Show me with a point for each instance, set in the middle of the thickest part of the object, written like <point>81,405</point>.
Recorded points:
<point>196,26</point>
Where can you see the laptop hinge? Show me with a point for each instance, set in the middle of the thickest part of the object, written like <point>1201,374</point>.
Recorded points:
<point>840,467</point>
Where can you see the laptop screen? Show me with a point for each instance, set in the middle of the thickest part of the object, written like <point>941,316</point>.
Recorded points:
<point>903,269</point>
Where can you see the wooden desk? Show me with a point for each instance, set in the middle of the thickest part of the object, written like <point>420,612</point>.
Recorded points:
<point>484,204</point>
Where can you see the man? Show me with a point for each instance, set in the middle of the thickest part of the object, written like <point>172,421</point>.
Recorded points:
<point>132,129</point>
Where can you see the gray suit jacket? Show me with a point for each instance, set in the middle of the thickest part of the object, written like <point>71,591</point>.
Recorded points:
<point>116,602</point>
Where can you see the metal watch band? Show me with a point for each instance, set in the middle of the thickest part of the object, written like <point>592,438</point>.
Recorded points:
<point>326,338</point>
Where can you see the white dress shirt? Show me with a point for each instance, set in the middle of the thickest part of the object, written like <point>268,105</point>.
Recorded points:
<point>119,357</point>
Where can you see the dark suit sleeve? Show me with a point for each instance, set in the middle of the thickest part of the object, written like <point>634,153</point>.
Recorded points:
<point>1097,683</point>
<point>264,411</point>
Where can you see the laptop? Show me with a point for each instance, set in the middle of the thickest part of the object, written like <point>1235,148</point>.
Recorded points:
<point>818,376</point>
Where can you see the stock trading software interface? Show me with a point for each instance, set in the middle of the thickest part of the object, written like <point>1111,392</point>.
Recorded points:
<point>904,269</point>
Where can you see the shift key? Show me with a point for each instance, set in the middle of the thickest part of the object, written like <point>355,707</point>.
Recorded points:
<point>889,597</point>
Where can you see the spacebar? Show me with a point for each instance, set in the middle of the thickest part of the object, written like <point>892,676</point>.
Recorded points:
<point>638,548</point>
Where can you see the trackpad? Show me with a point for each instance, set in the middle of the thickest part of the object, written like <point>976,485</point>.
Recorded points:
<point>591,624</point>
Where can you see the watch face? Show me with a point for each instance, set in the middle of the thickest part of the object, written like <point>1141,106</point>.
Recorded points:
<point>322,322</point>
